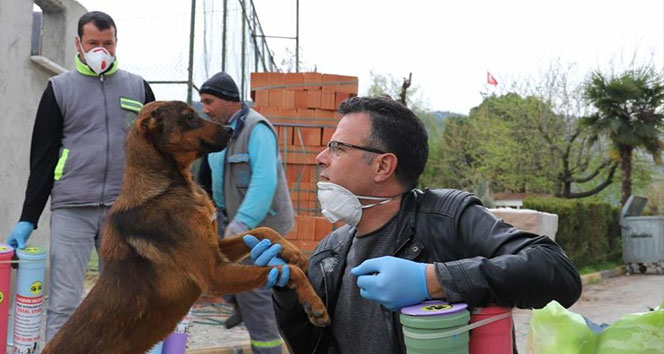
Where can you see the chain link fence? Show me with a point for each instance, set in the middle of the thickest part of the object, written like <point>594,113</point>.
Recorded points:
<point>227,37</point>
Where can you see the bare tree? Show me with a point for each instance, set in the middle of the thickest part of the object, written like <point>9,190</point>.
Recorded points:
<point>404,89</point>
<point>581,159</point>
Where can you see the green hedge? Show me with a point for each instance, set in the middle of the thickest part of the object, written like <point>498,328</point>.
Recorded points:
<point>588,231</point>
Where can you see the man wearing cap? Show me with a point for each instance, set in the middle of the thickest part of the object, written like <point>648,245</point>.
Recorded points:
<point>248,185</point>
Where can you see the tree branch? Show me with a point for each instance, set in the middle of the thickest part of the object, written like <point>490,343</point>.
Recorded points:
<point>595,173</point>
<point>548,139</point>
<point>404,88</point>
<point>597,189</point>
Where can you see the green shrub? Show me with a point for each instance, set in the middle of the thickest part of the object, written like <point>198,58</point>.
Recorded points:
<point>587,231</point>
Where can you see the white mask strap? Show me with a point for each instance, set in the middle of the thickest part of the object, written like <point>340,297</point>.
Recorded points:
<point>80,45</point>
<point>384,201</point>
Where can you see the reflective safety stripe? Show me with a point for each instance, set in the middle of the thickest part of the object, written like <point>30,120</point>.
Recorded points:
<point>60,167</point>
<point>129,104</point>
<point>266,343</point>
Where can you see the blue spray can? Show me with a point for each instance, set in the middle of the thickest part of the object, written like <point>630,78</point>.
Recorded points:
<point>29,302</point>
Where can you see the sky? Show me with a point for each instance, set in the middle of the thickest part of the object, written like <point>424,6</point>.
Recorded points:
<point>447,45</point>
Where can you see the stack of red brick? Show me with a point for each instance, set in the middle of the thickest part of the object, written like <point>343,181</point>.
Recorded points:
<point>302,107</point>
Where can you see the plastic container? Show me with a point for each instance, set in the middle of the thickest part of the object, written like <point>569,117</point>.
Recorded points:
<point>29,302</point>
<point>176,342</point>
<point>495,335</point>
<point>157,348</point>
<point>642,237</point>
<point>434,327</point>
<point>6,253</point>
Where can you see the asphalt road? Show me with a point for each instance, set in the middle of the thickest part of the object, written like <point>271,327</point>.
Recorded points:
<point>606,302</point>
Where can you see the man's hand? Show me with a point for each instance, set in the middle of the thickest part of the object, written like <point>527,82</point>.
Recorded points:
<point>392,282</point>
<point>235,228</point>
<point>20,234</point>
<point>264,253</point>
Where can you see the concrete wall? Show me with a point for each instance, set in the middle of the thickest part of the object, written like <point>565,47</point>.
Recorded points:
<point>22,81</point>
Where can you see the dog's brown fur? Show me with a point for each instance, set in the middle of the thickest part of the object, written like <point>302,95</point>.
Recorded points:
<point>160,246</point>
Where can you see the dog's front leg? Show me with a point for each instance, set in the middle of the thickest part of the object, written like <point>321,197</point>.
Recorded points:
<point>231,278</point>
<point>289,252</point>
<point>235,249</point>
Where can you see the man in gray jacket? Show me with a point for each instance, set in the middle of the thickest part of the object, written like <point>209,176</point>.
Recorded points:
<point>77,157</point>
<point>247,183</point>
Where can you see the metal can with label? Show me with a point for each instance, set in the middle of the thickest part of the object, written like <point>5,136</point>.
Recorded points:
<point>29,302</point>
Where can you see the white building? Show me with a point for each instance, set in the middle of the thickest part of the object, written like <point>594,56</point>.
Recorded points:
<point>33,47</point>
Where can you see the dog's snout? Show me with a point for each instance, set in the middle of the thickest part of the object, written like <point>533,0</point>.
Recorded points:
<point>216,138</point>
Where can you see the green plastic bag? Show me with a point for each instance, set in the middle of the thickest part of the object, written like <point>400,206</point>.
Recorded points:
<point>636,333</point>
<point>553,329</point>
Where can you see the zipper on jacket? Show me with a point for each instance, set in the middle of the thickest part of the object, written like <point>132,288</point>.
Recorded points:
<point>322,272</point>
<point>108,143</point>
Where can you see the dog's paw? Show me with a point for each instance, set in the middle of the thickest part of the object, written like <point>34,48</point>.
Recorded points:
<point>318,316</point>
<point>322,320</point>
<point>294,256</point>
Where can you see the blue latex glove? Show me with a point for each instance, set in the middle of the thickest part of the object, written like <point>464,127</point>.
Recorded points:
<point>20,234</point>
<point>263,254</point>
<point>392,282</point>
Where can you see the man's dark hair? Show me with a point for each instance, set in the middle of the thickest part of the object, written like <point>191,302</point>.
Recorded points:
<point>101,20</point>
<point>395,129</point>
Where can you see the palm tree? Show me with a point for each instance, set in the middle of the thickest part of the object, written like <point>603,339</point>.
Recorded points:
<point>630,113</point>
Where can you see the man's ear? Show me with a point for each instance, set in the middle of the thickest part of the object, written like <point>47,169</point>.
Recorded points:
<point>386,165</point>
<point>78,45</point>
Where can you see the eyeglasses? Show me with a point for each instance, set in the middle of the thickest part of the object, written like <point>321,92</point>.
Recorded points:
<point>334,146</point>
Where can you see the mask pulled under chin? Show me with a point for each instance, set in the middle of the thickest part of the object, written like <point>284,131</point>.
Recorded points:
<point>98,59</point>
<point>339,204</point>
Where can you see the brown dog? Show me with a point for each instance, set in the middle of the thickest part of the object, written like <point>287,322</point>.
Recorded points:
<point>160,246</point>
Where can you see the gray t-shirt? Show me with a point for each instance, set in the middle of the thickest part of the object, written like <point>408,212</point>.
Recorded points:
<point>359,324</point>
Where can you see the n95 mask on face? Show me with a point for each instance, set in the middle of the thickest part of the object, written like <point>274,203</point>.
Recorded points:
<point>98,59</point>
<point>339,204</point>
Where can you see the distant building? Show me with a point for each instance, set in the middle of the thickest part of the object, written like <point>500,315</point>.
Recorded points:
<point>513,200</point>
<point>509,200</point>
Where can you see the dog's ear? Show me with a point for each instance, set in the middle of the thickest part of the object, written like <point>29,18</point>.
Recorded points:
<point>151,122</point>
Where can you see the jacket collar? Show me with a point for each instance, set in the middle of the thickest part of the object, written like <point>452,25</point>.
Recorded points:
<point>407,217</point>
<point>84,69</point>
<point>237,120</point>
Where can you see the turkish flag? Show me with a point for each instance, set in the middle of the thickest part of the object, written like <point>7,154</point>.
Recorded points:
<point>490,79</point>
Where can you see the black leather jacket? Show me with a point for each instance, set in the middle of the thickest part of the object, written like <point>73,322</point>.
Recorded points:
<point>479,260</point>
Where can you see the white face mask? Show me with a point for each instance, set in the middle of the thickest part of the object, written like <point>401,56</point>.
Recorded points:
<point>340,204</point>
<point>97,58</point>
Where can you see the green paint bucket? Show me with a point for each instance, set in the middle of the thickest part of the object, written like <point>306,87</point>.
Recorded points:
<point>435,327</point>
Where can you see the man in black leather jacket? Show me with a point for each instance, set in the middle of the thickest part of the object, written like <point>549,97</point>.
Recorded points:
<point>402,245</point>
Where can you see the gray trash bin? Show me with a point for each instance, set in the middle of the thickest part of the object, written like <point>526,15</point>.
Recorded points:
<point>642,237</point>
